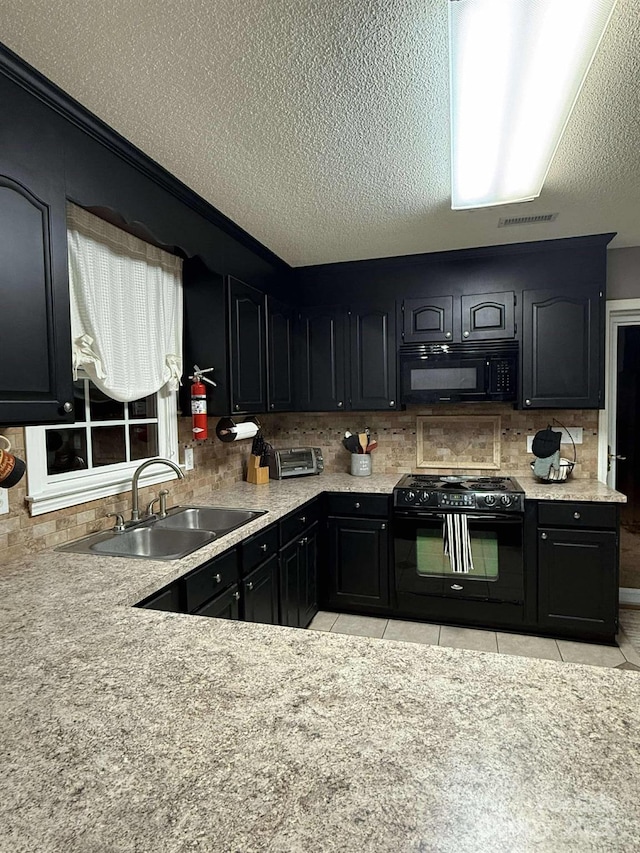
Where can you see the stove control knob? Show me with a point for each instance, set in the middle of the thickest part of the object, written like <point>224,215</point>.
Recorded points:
<point>423,497</point>
<point>505,500</point>
<point>409,497</point>
<point>490,500</point>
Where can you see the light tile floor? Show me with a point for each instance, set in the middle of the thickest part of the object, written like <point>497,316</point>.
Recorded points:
<point>525,645</point>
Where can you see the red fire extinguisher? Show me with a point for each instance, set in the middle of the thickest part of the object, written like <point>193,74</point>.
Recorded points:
<point>199,402</point>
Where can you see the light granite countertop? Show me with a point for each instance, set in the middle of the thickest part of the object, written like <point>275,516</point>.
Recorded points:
<point>130,730</point>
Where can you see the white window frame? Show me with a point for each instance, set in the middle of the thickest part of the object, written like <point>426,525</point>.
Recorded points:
<point>49,492</point>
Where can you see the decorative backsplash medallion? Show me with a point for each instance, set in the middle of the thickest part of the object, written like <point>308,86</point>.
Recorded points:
<point>456,441</point>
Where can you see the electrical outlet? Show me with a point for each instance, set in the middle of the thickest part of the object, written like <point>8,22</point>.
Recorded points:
<point>4,501</point>
<point>188,459</point>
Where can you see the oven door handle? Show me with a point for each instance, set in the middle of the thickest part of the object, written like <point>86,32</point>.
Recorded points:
<point>514,518</point>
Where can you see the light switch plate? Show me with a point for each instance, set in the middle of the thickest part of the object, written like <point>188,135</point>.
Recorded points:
<point>4,501</point>
<point>188,459</point>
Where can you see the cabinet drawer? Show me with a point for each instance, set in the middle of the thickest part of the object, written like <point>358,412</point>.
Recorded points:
<point>223,606</point>
<point>259,548</point>
<point>565,514</point>
<point>207,580</point>
<point>294,524</point>
<point>376,506</point>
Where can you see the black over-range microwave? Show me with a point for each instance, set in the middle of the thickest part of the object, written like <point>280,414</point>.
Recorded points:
<point>443,373</point>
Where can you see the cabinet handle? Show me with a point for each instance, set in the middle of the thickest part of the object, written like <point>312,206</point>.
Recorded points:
<point>249,585</point>
<point>356,505</point>
<point>527,402</point>
<point>392,402</point>
<point>543,536</point>
<point>237,406</point>
<point>263,548</point>
<point>272,406</point>
<point>340,404</point>
<point>68,407</point>
<point>236,595</point>
<point>217,578</point>
<point>303,519</point>
<point>303,541</point>
<point>456,586</point>
<point>383,527</point>
<point>465,334</point>
<point>576,515</point>
<point>447,334</point>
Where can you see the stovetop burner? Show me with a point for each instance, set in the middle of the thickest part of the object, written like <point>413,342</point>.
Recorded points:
<point>460,492</point>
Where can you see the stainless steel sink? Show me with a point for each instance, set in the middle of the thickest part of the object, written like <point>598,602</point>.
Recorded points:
<point>183,530</point>
<point>152,543</point>
<point>219,520</point>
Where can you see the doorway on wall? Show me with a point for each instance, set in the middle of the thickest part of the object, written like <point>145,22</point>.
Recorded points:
<point>623,452</point>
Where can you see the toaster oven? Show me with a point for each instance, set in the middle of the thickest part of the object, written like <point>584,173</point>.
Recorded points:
<point>295,462</point>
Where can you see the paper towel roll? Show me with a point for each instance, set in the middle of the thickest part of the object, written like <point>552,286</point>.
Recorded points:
<point>245,430</point>
<point>228,430</point>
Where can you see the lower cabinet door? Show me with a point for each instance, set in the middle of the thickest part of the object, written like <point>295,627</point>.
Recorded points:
<point>358,563</point>
<point>223,606</point>
<point>260,591</point>
<point>299,580</point>
<point>168,599</point>
<point>578,582</point>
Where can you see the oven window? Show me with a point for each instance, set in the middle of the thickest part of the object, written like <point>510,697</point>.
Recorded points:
<point>444,378</point>
<point>431,561</point>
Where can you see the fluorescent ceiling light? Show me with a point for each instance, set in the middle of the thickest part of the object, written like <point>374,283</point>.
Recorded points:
<point>516,69</point>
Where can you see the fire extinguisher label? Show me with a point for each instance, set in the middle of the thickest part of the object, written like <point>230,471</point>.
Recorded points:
<point>198,407</point>
<point>197,430</point>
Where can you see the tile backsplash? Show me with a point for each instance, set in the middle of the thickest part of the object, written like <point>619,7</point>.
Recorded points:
<point>218,464</point>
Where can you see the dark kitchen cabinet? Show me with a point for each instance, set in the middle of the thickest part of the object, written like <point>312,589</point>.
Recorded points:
<point>447,319</point>
<point>298,579</point>
<point>247,348</point>
<point>428,320</point>
<point>170,599</point>
<point>562,352</point>
<point>488,316</point>
<point>261,594</point>
<point>373,356</point>
<point>321,357</point>
<point>358,552</point>
<point>223,606</point>
<point>578,570</point>
<point>280,354</point>
<point>36,383</point>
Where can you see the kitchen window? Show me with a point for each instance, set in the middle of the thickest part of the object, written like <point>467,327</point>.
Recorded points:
<point>97,455</point>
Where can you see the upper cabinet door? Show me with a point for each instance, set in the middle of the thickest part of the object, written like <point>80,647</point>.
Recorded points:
<point>280,319</point>
<point>373,356</point>
<point>562,350</point>
<point>36,384</point>
<point>321,350</point>
<point>247,348</point>
<point>488,317</point>
<point>428,320</point>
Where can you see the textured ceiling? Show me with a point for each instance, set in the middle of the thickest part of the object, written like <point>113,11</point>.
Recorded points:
<point>321,126</point>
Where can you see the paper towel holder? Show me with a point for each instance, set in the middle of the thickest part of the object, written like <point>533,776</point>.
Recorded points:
<point>227,429</point>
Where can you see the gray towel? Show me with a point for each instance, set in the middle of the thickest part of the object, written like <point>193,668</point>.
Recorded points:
<point>457,542</point>
<point>542,467</point>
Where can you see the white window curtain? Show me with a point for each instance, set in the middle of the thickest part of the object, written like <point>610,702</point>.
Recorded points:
<point>126,308</point>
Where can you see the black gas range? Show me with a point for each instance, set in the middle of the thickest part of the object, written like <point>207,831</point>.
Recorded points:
<point>459,493</point>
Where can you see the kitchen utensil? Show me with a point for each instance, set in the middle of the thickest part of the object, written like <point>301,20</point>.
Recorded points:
<point>371,446</point>
<point>362,438</point>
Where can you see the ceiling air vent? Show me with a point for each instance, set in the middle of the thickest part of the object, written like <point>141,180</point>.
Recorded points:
<point>536,219</point>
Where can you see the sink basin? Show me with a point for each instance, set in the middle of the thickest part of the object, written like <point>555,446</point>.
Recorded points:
<point>218,520</point>
<point>185,529</point>
<point>153,544</point>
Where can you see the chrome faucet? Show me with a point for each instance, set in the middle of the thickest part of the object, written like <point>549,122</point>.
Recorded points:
<point>135,512</point>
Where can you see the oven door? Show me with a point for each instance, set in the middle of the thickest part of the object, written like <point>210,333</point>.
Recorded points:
<point>422,567</point>
<point>442,378</point>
